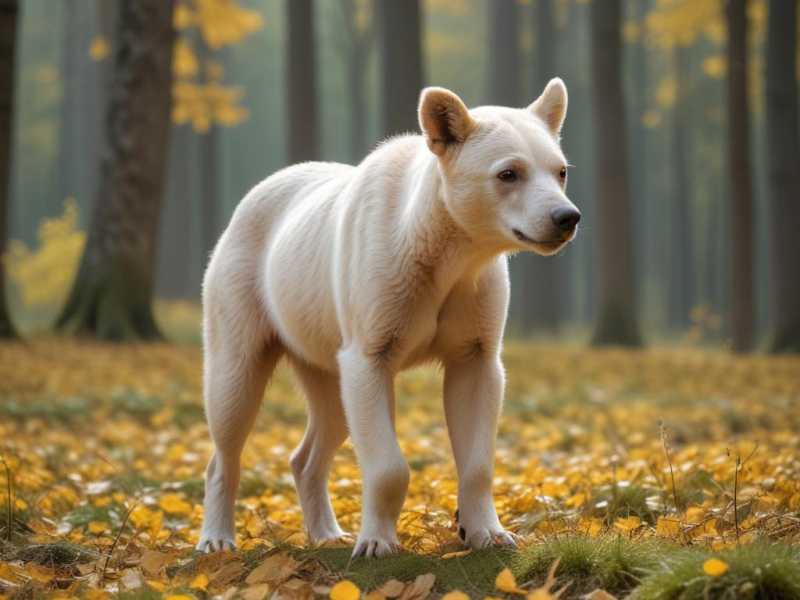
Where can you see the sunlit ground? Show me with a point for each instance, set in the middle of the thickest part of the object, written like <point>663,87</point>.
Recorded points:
<point>622,464</point>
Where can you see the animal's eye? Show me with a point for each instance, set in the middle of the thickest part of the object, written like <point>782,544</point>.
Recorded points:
<point>563,173</point>
<point>507,176</point>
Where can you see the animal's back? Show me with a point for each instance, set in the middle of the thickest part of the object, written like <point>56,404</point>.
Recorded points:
<point>281,227</point>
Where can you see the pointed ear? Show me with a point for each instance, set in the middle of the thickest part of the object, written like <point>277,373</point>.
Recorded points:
<point>551,106</point>
<point>444,119</point>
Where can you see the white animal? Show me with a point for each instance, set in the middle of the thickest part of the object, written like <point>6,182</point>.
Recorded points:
<point>356,273</point>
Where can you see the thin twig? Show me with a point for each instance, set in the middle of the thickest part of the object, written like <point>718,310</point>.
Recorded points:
<point>116,541</point>
<point>665,446</point>
<point>736,497</point>
<point>739,465</point>
<point>9,501</point>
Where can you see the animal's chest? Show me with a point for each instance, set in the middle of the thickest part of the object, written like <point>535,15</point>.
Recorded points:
<point>419,340</point>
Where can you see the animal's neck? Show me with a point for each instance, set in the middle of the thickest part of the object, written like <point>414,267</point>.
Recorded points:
<point>440,245</point>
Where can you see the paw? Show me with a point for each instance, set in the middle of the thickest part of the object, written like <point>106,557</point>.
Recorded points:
<point>331,538</point>
<point>375,546</point>
<point>209,544</point>
<point>483,537</point>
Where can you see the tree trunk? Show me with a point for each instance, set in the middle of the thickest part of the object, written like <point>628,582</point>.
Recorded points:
<point>8,37</point>
<point>783,158</point>
<point>742,225</point>
<point>358,55</point>
<point>209,171</point>
<point>639,145</point>
<point>112,294</point>
<point>617,319</point>
<point>301,74</point>
<point>175,278</point>
<point>543,278</point>
<point>399,30</point>
<point>681,274</point>
<point>503,73</point>
<point>77,91</point>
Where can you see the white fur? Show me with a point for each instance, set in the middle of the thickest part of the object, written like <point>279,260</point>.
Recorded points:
<point>355,273</point>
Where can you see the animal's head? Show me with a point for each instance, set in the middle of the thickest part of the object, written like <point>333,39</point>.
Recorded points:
<point>504,173</point>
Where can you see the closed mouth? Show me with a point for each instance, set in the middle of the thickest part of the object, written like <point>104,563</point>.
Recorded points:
<point>525,239</point>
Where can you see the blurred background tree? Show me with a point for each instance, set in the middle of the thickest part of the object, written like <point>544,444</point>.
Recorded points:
<point>8,34</point>
<point>706,100</point>
<point>112,293</point>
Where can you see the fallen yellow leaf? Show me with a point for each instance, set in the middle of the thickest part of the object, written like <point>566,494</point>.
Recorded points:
<point>715,567</point>
<point>200,582</point>
<point>506,582</point>
<point>98,527</point>
<point>628,524</point>
<point>455,595</point>
<point>668,527</point>
<point>175,504</point>
<point>345,590</point>
<point>458,554</point>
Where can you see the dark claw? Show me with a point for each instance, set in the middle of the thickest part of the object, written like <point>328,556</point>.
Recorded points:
<point>462,533</point>
<point>456,515</point>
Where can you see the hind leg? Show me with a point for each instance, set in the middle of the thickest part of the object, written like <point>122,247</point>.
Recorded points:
<point>236,371</point>
<point>326,430</point>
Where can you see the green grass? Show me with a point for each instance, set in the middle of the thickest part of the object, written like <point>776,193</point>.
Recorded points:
<point>634,569</point>
<point>624,501</point>
<point>615,564</point>
<point>760,571</point>
<point>473,574</point>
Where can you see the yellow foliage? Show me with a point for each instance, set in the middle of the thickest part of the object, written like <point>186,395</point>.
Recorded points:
<point>576,421</point>
<point>680,22</point>
<point>667,92</point>
<point>43,276</point>
<point>715,66</point>
<point>99,48</point>
<point>200,105</point>
<point>220,23</point>
<point>651,119</point>
<point>184,60</point>
<point>224,22</point>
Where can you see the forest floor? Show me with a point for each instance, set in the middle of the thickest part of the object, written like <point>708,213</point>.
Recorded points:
<point>662,473</point>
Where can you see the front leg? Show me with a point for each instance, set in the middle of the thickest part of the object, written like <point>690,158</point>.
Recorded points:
<point>368,399</point>
<point>473,395</point>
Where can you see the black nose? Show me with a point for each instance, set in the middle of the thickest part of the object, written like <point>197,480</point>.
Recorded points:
<point>565,218</point>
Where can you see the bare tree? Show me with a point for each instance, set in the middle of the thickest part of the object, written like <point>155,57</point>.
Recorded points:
<point>783,159</point>
<point>741,190</point>
<point>617,321</point>
<point>8,36</point>
<point>301,84</point>
<point>399,26</point>
<point>112,294</point>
